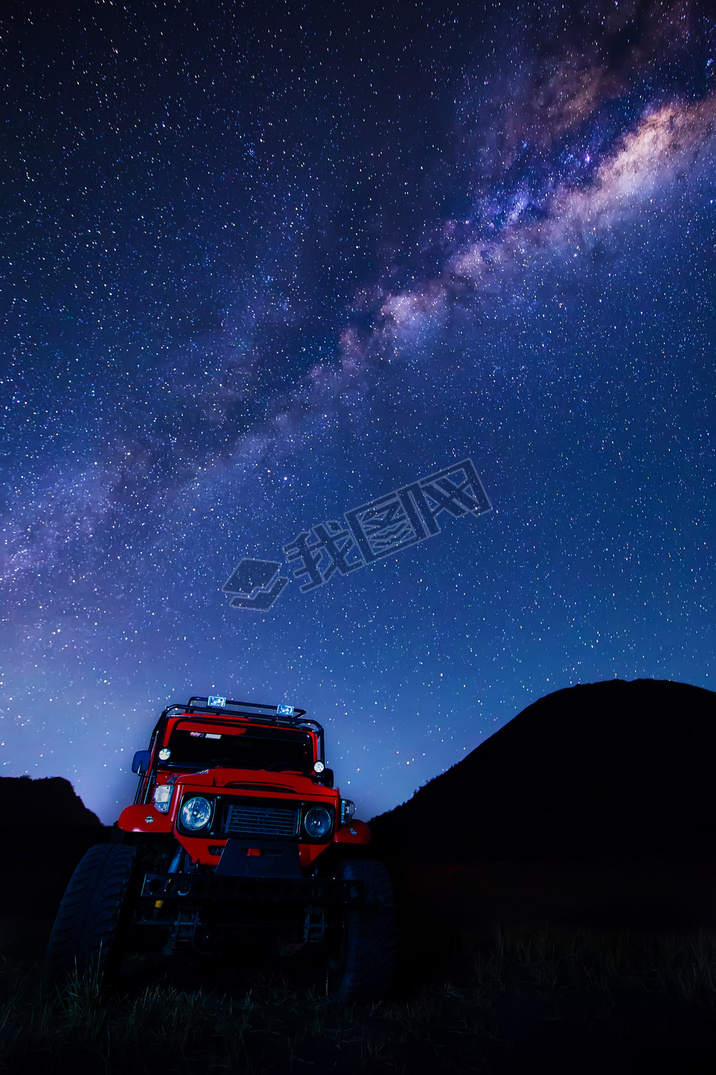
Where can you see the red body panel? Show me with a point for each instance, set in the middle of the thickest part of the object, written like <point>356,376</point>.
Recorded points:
<point>353,832</point>
<point>143,817</point>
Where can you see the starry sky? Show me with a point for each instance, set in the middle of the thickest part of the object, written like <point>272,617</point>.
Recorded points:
<point>264,264</point>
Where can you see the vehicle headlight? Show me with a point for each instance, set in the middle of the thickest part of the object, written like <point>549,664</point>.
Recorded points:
<point>162,797</point>
<point>348,809</point>
<point>317,822</point>
<point>196,813</point>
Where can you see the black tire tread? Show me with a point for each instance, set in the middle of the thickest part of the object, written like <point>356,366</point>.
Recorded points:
<point>370,946</point>
<point>88,919</point>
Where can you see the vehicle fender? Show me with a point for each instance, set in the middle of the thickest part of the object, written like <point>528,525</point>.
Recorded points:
<point>144,818</point>
<point>353,832</point>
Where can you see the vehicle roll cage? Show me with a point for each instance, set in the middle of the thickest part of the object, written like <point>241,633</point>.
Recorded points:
<point>255,712</point>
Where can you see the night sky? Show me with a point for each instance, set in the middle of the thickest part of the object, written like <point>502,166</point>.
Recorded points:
<point>262,265</point>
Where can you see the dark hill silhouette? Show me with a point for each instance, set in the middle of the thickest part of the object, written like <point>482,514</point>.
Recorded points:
<point>50,802</point>
<point>47,831</point>
<point>607,769</point>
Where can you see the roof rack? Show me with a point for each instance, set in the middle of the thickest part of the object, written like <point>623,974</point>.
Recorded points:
<point>278,712</point>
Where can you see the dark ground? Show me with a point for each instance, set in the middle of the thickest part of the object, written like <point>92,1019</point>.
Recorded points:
<point>505,967</point>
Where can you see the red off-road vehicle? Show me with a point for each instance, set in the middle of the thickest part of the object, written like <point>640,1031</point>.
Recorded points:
<point>236,830</point>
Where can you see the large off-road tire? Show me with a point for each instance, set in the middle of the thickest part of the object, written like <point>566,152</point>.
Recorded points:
<point>362,965</point>
<point>86,936</point>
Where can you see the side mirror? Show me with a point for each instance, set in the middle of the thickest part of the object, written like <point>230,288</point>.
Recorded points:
<point>325,778</point>
<point>140,762</point>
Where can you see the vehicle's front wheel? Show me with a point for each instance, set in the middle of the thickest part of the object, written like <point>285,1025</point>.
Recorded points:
<point>363,962</point>
<point>86,935</point>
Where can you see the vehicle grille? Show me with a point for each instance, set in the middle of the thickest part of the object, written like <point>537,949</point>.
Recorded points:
<point>245,820</point>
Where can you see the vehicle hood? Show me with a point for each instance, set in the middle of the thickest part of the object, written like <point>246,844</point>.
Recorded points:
<point>249,780</point>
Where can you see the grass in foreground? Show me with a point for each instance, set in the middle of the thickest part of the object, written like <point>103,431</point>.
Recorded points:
<point>496,1000</point>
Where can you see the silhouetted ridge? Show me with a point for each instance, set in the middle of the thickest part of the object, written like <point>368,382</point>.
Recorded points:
<point>50,802</point>
<point>606,768</point>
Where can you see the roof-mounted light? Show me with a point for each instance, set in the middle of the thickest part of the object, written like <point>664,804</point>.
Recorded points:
<point>285,710</point>
<point>216,700</point>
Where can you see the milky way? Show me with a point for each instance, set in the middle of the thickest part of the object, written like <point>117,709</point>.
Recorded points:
<point>259,270</point>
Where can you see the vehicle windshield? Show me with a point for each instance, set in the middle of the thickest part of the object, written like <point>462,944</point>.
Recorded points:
<point>239,748</point>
